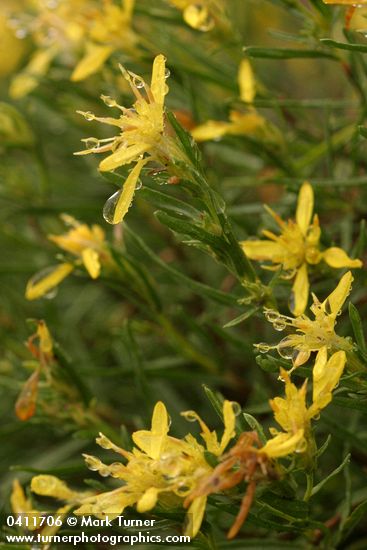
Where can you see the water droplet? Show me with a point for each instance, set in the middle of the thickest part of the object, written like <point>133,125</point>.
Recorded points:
<point>167,73</point>
<point>279,325</point>
<point>190,416</point>
<point>91,143</point>
<point>262,347</point>
<point>110,207</point>
<point>301,447</point>
<point>237,409</point>
<point>281,379</point>
<point>139,184</point>
<point>51,293</point>
<point>138,82</point>
<point>271,315</point>
<point>285,349</point>
<point>104,472</point>
<point>88,116</point>
<point>109,101</point>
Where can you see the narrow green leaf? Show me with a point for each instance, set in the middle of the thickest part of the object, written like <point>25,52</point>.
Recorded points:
<point>285,53</point>
<point>334,473</point>
<point>166,202</point>
<point>355,517</point>
<point>242,317</point>
<point>357,326</point>
<point>361,48</point>
<point>255,425</point>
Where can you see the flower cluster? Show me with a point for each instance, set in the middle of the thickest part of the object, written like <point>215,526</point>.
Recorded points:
<point>296,249</point>
<point>88,247</point>
<point>78,28</point>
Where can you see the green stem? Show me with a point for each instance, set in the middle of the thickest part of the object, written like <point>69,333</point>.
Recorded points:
<point>308,492</point>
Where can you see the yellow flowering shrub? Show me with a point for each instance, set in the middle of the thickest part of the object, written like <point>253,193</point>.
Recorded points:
<point>219,196</point>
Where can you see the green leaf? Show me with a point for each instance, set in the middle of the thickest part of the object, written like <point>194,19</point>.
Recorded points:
<point>357,326</point>
<point>187,141</point>
<point>285,53</point>
<point>352,521</point>
<point>166,202</point>
<point>242,317</point>
<point>361,48</point>
<point>200,288</point>
<point>185,227</point>
<point>255,425</point>
<point>334,473</point>
<point>356,404</point>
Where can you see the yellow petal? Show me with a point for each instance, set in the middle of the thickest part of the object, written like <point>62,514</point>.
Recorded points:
<point>336,257</point>
<point>51,486</point>
<point>148,500</point>
<point>158,84</point>
<point>198,17</point>
<point>300,291</point>
<point>123,156</point>
<point>246,81</point>
<point>127,194</point>
<point>211,129</point>
<point>229,419</point>
<point>304,207</point>
<point>19,502</point>
<point>283,444</point>
<point>244,124</point>
<point>209,437</point>
<point>334,302</point>
<point>40,285</point>
<point>29,78</point>
<point>263,250</point>
<point>151,442</point>
<point>44,337</point>
<point>93,60</point>
<point>194,517</point>
<point>91,262</point>
<point>326,376</point>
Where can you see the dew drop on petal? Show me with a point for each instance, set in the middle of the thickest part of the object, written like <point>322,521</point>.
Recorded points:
<point>236,407</point>
<point>190,416</point>
<point>51,294</point>
<point>91,143</point>
<point>284,348</point>
<point>167,73</point>
<point>138,82</point>
<point>271,315</point>
<point>89,116</point>
<point>139,184</point>
<point>279,325</point>
<point>110,207</point>
<point>262,347</point>
<point>109,101</point>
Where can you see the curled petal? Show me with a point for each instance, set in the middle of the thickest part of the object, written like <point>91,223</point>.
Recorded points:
<point>51,486</point>
<point>336,257</point>
<point>304,207</point>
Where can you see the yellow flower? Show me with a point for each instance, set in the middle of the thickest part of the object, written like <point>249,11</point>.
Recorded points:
<point>45,485</point>
<point>312,334</point>
<point>160,467</point>
<point>84,242</point>
<point>296,248</point>
<point>249,123</point>
<point>70,27</point>
<point>141,135</point>
<point>200,14</point>
<point>292,413</point>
